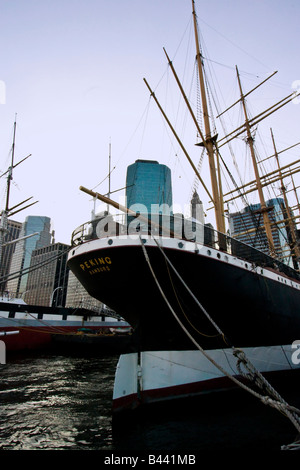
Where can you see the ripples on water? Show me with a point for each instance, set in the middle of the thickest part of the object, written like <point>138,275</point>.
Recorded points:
<point>56,403</point>
<point>64,403</point>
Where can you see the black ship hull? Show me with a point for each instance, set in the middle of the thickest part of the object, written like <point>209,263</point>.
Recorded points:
<point>252,306</point>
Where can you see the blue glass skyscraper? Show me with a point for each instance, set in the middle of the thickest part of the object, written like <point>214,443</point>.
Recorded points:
<point>148,185</point>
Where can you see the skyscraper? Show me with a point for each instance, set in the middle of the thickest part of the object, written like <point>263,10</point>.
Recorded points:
<point>13,232</point>
<point>247,226</point>
<point>48,284</point>
<point>148,185</point>
<point>22,256</point>
<point>149,191</point>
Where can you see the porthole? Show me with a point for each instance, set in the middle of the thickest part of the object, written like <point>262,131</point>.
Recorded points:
<point>110,241</point>
<point>181,245</point>
<point>209,252</point>
<point>218,255</point>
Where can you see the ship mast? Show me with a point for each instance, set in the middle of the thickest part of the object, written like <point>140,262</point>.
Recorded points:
<point>264,209</point>
<point>9,178</point>
<point>295,247</point>
<point>9,211</point>
<point>109,172</point>
<point>4,213</point>
<point>209,139</point>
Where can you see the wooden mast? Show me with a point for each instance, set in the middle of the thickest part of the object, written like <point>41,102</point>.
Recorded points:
<point>272,174</point>
<point>209,140</point>
<point>264,210</point>
<point>296,195</point>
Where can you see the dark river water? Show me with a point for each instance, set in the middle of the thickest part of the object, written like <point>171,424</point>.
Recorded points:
<point>61,402</point>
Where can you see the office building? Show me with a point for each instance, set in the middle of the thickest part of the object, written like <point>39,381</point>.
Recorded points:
<point>148,185</point>
<point>48,277</point>
<point>248,227</point>
<point>20,264</point>
<point>149,191</point>
<point>12,233</point>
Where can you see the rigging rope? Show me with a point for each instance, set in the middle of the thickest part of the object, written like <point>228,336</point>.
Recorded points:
<point>291,412</point>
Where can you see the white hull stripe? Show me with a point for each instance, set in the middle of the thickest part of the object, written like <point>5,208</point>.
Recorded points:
<point>160,371</point>
<point>174,243</point>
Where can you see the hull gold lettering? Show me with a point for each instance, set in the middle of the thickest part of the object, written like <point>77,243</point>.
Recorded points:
<point>96,265</point>
<point>101,269</point>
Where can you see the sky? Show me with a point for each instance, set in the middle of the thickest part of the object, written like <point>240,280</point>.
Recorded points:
<point>71,72</point>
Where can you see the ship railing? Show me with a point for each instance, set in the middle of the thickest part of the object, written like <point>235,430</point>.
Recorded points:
<point>177,226</point>
<point>121,224</point>
<point>97,310</point>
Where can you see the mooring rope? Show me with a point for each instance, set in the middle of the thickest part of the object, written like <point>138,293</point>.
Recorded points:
<point>280,404</point>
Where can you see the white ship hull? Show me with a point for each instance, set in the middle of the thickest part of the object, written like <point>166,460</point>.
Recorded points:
<point>153,376</point>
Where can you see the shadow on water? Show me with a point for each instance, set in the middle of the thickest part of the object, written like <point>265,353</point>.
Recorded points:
<point>233,420</point>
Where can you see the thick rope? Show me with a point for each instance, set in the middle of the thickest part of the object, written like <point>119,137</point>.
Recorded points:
<point>279,404</point>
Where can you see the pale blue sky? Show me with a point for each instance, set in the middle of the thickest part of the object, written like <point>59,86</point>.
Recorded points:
<point>73,72</point>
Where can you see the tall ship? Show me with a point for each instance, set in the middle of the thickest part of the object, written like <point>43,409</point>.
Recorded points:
<point>204,305</point>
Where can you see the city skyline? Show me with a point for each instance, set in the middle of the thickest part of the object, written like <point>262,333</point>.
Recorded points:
<point>46,279</point>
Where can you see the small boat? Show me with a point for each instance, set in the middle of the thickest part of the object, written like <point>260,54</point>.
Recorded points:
<point>104,341</point>
<point>36,325</point>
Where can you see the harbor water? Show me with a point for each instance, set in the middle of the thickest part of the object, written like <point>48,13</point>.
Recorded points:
<point>63,402</point>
